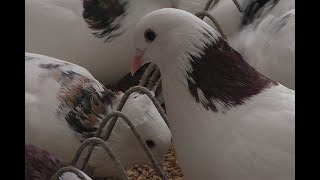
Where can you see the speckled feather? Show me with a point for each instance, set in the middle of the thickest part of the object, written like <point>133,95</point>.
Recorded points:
<point>102,14</point>
<point>83,100</point>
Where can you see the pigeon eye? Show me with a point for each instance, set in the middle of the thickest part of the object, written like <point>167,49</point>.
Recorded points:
<point>149,35</point>
<point>150,143</point>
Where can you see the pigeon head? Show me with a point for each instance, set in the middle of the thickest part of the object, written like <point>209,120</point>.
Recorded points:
<point>167,33</point>
<point>190,53</point>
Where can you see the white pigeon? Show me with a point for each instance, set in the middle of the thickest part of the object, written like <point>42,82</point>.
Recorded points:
<point>40,164</point>
<point>232,20</point>
<point>64,105</point>
<point>61,29</point>
<point>227,120</point>
<point>264,34</point>
<point>270,47</point>
<point>57,28</point>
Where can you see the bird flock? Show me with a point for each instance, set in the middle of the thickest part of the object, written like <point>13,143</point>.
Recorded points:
<point>223,70</point>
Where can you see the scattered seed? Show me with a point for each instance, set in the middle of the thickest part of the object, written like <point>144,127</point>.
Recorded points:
<point>170,167</point>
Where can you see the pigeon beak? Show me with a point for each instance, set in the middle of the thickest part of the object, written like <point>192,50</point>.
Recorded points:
<point>137,61</point>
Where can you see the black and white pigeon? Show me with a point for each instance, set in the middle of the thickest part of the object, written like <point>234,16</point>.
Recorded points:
<point>41,165</point>
<point>252,12</point>
<point>264,34</point>
<point>65,104</point>
<point>227,120</point>
<point>91,33</point>
<point>84,25</point>
<point>76,30</point>
<point>270,47</point>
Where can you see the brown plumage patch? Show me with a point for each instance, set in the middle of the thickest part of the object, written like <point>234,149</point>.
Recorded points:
<point>82,105</point>
<point>101,15</point>
<point>254,8</point>
<point>86,104</point>
<point>222,74</point>
<point>39,164</point>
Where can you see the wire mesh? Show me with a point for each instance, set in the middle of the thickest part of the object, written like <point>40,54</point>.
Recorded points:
<point>112,118</point>
<point>92,142</point>
<point>151,78</point>
<point>114,115</point>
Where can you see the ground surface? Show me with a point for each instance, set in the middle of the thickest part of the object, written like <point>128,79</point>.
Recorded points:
<point>170,167</point>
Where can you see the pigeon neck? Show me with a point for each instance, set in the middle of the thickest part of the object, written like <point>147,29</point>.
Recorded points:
<point>222,76</point>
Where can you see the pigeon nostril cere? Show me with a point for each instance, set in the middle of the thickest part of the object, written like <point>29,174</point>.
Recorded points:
<point>150,143</point>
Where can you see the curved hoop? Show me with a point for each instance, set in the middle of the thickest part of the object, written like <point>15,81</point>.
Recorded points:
<point>68,169</point>
<point>92,142</point>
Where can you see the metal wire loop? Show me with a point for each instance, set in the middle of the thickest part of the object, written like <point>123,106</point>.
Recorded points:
<point>215,22</point>
<point>208,5</point>
<point>146,74</point>
<point>94,141</point>
<point>68,169</point>
<point>137,134</point>
<point>238,5</point>
<point>114,116</point>
<point>124,99</point>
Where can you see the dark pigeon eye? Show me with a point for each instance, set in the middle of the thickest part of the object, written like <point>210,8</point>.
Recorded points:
<point>149,35</point>
<point>150,143</point>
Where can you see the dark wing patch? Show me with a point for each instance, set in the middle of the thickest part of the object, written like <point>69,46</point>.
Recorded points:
<point>82,105</point>
<point>83,101</point>
<point>76,123</point>
<point>253,10</point>
<point>49,66</point>
<point>40,164</point>
<point>222,74</point>
<point>101,14</point>
<point>108,96</point>
<point>193,88</point>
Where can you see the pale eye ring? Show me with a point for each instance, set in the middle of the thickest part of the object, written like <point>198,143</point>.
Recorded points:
<point>150,35</point>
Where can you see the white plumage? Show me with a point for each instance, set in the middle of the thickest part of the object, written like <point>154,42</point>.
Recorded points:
<point>270,47</point>
<point>267,42</point>
<point>227,120</point>
<point>72,176</point>
<point>231,19</point>
<point>56,28</point>
<point>65,104</point>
